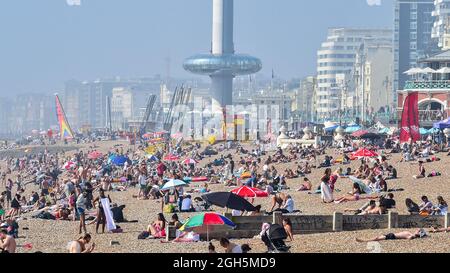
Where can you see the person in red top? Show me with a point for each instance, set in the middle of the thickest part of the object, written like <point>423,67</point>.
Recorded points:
<point>333,179</point>
<point>160,169</point>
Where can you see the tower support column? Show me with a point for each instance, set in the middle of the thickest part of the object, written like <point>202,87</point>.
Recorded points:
<point>221,91</point>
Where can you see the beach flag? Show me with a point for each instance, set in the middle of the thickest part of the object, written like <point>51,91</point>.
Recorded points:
<point>409,130</point>
<point>64,127</point>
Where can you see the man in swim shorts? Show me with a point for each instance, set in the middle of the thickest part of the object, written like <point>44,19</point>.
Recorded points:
<point>404,235</point>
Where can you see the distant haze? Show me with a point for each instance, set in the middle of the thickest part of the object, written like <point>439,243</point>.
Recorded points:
<point>46,42</point>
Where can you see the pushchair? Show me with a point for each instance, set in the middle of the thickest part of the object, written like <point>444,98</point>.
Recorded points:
<point>274,238</point>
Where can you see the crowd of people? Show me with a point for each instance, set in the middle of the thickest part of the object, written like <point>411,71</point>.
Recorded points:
<point>71,186</point>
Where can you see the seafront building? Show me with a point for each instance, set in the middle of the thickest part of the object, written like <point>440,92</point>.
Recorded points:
<point>337,56</point>
<point>413,40</point>
<point>433,88</point>
<point>441,26</point>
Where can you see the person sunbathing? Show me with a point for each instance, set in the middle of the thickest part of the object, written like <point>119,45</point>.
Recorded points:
<point>185,237</point>
<point>373,209</point>
<point>306,186</point>
<point>354,195</point>
<point>439,230</point>
<point>404,235</point>
<point>158,228</point>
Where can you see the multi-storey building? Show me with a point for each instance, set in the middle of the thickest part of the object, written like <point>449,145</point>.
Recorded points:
<point>373,81</point>
<point>302,103</point>
<point>441,25</point>
<point>85,103</point>
<point>412,38</point>
<point>337,56</point>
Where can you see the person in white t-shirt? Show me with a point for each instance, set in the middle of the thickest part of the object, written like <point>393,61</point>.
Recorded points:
<point>142,180</point>
<point>186,204</point>
<point>229,246</point>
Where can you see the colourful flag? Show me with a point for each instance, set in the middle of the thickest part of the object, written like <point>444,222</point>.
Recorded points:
<point>409,130</point>
<point>64,127</point>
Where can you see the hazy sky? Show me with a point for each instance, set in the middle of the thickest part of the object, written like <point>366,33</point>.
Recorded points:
<point>45,42</point>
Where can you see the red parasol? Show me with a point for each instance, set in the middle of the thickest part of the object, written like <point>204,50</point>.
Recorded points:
<point>245,191</point>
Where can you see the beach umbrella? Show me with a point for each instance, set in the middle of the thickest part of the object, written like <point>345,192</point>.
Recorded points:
<point>171,158</point>
<point>413,71</point>
<point>69,165</point>
<point>423,131</point>
<point>163,132</point>
<point>428,70</point>
<point>152,157</point>
<point>433,131</point>
<point>444,70</point>
<point>363,152</point>
<point>207,219</point>
<point>177,135</point>
<point>370,135</point>
<point>147,135</point>
<point>228,200</point>
<point>173,183</point>
<point>156,140</point>
<point>352,129</point>
<point>188,161</point>
<point>95,155</point>
<point>245,191</point>
<point>359,133</point>
<point>119,160</point>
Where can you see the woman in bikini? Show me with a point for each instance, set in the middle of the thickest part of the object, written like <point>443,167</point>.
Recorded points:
<point>158,228</point>
<point>354,195</point>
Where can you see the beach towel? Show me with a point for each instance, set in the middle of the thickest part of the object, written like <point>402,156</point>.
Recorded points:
<point>361,184</point>
<point>110,225</point>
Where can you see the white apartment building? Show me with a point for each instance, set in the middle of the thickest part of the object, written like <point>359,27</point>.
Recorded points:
<point>441,26</point>
<point>373,79</point>
<point>121,107</point>
<point>337,56</point>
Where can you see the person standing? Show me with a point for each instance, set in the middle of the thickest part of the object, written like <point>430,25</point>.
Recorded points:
<point>81,210</point>
<point>101,217</point>
<point>232,166</point>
